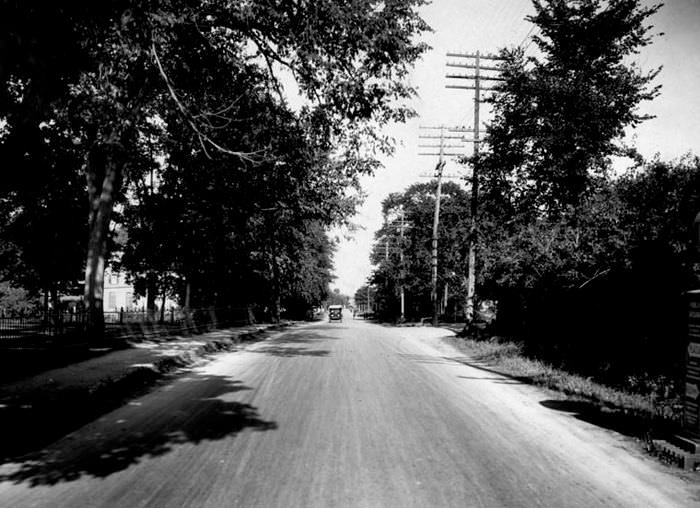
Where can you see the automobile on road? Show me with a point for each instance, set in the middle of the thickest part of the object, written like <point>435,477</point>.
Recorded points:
<point>335,313</point>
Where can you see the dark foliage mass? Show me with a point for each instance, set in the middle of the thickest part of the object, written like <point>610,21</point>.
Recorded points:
<point>603,295</point>
<point>203,147</point>
<point>402,252</point>
<point>588,269</point>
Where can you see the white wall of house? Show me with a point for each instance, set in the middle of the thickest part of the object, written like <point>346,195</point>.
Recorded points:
<point>118,294</point>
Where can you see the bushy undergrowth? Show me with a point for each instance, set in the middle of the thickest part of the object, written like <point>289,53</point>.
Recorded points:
<point>652,399</point>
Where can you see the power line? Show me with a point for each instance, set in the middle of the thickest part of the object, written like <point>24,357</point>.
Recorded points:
<point>528,35</point>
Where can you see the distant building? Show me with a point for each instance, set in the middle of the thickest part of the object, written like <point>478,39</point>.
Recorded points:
<point>119,294</point>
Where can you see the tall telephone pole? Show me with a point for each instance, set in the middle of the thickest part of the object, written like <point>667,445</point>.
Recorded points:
<point>399,224</point>
<point>436,216</point>
<point>474,62</point>
<point>403,307</point>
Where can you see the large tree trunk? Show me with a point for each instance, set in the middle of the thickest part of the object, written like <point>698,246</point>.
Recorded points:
<point>151,295</point>
<point>276,290</point>
<point>103,178</point>
<point>162,302</point>
<point>276,284</point>
<point>188,294</point>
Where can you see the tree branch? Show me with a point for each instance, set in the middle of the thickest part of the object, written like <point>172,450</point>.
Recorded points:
<point>204,139</point>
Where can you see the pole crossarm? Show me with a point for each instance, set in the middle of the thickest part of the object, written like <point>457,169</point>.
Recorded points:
<point>444,175</point>
<point>465,76</point>
<point>439,137</point>
<point>437,127</point>
<point>491,56</point>
<point>468,87</point>
<point>441,146</point>
<point>445,154</point>
<point>472,66</point>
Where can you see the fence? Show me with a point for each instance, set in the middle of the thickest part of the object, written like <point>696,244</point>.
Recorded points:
<point>49,324</point>
<point>37,325</point>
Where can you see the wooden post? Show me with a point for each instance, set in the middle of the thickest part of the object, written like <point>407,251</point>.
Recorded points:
<point>403,310</point>
<point>434,255</point>
<point>473,205</point>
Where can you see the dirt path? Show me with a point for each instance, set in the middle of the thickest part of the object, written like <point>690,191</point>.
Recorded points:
<point>334,415</point>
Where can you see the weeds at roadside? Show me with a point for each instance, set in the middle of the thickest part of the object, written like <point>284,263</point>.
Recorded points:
<point>655,409</point>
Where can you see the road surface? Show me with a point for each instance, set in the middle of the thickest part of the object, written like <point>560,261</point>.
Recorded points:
<point>347,414</point>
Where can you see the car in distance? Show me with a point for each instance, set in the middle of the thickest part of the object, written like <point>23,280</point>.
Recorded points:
<point>335,313</point>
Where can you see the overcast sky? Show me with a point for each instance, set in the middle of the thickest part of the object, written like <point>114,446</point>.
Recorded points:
<point>487,25</point>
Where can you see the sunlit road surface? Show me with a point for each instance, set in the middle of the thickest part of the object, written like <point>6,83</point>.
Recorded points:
<point>342,415</point>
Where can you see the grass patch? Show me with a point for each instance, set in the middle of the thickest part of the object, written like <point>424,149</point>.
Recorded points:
<point>656,409</point>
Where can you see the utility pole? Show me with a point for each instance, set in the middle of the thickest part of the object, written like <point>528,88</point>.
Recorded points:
<point>397,224</point>
<point>401,224</point>
<point>473,61</point>
<point>436,216</point>
<point>369,302</point>
<point>402,274</point>
<point>434,255</point>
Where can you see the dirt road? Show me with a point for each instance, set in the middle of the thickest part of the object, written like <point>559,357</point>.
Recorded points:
<point>342,415</point>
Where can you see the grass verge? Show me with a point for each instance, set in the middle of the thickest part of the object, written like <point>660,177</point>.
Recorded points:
<point>643,415</point>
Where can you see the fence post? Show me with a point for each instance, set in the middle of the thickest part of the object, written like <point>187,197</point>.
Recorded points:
<point>172,315</point>
<point>121,315</point>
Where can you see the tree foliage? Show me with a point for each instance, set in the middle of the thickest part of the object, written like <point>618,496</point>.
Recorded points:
<point>179,113</point>
<point>403,248</point>
<point>559,118</point>
<point>588,269</point>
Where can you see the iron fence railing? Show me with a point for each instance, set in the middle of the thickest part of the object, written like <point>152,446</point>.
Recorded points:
<point>122,322</point>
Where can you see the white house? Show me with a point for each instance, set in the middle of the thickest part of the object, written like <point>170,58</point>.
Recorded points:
<point>119,294</point>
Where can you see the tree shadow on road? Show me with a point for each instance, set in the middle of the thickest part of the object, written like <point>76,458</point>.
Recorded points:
<point>328,327</point>
<point>483,366</point>
<point>289,352</point>
<point>626,423</point>
<point>291,345</point>
<point>132,433</point>
<point>497,380</point>
<point>301,337</point>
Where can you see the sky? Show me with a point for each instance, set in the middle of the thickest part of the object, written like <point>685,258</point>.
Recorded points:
<point>486,26</point>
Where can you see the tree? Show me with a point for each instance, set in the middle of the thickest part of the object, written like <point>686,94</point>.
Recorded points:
<point>337,298</point>
<point>112,68</point>
<point>15,300</point>
<point>558,119</point>
<point>43,222</point>
<point>557,240</point>
<point>402,249</point>
<point>365,298</point>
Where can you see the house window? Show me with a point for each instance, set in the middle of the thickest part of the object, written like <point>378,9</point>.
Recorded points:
<point>112,300</point>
